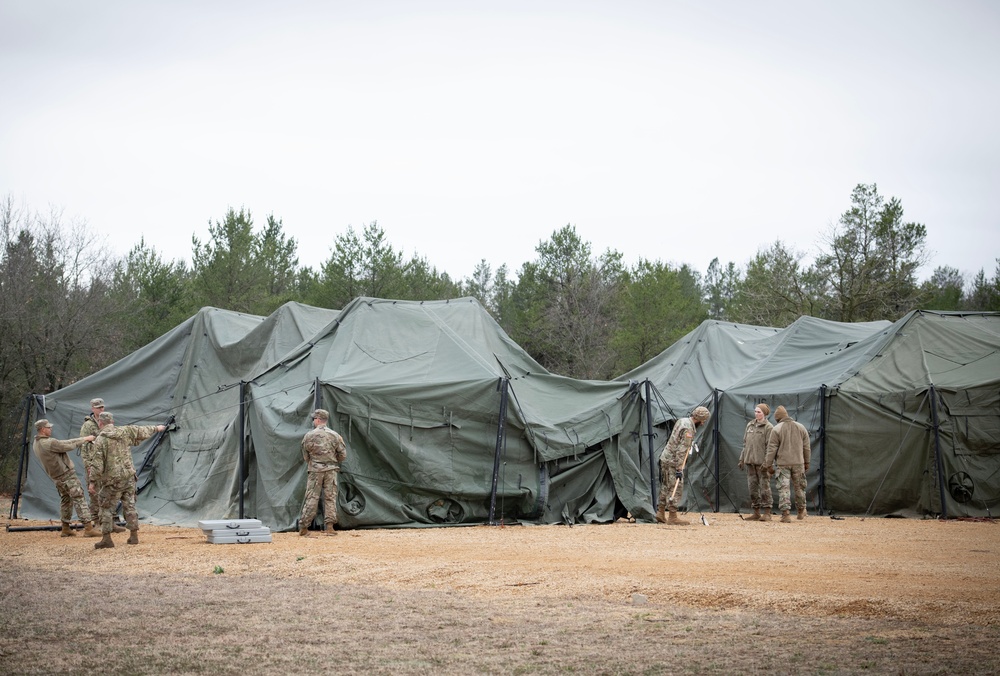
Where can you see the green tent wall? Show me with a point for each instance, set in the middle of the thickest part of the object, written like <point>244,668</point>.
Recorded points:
<point>904,417</point>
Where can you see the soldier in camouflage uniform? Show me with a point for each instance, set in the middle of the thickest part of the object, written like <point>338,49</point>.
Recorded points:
<point>91,428</point>
<point>672,461</point>
<point>323,450</point>
<point>755,438</point>
<point>115,474</point>
<point>53,454</point>
<point>789,448</point>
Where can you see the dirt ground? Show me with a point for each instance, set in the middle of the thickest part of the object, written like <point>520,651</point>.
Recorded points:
<point>852,595</point>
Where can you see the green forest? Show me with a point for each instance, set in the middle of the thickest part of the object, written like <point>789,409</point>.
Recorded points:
<point>69,307</point>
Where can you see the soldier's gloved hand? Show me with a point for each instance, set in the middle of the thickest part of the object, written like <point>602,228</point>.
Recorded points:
<point>807,467</point>
<point>740,464</point>
<point>770,470</point>
<point>679,474</point>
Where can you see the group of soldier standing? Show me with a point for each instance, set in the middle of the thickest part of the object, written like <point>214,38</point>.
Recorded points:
<point>106,450</point>
<point>765,446</point>
<point>110,474</point>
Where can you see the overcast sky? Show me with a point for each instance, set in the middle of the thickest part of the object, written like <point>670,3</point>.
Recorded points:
<point>664,129</point>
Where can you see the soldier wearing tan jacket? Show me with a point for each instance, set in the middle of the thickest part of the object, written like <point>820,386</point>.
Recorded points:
<point>53,454</point>
<point>755,439</point>
<point>789,449</point>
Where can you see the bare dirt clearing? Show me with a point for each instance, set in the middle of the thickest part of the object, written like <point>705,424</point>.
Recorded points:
<point>856,595</point>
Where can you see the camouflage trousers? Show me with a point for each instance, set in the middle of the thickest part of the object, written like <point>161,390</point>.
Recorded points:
<point>668,478</point>
<point>318,483</point>
<point>109,495</point>
<point>71,496</point>
<point>759,484</point>
<point>787,478</point>
<point>93,500</point>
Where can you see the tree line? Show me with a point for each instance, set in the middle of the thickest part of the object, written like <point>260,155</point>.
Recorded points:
<point>68,307</point>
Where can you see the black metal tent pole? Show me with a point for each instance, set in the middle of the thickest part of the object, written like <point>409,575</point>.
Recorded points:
<point>242,454</point>
<point>715,443</point>
<point>503,384</point>
<point>821,483</point>
<point>24,456</point>
<point>939,461</point>
<point>317,395</point>
<point>160,436</point>
<point>653,465</point>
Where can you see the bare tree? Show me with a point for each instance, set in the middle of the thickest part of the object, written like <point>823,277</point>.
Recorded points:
<point>55,313</point>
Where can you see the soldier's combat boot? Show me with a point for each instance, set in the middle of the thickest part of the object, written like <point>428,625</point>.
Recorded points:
<point>765,515</point>
<point>329,529</point>
<point>303,530</point>
<point>66,532</point>
<point>89,531</point>
<point>133,537</point>
<point>661,515</point>
<point>802,513</point>
<point>755,516</point>
<point>105,542</point>
<point>672,519</point>
<point>785,518</point>
<point>115,528</point>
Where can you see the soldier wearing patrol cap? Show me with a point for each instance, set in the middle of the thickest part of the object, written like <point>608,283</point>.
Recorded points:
<point>672,461</point>
<point>54,456</point>
<point>322,450</point>
<point>91,428</point>
<point>114,474</point>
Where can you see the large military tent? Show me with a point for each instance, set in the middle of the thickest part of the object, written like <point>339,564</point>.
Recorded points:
<point>190,376</point>
<point>904,417</point>
<point>447,421</point>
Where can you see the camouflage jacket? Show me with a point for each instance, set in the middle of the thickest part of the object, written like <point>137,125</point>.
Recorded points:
<point>679,444</point>
<point>89,427</point>
<point>323,449</point>
<point>52,453</point>
<point>113,451</point>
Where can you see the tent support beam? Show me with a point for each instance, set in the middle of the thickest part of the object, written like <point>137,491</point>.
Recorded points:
<point>821,482</point>
<point>716,402</point>
<point>937,452</point>
<point>243,447</point>
<point>504,386</point>
<point>653,465</point>
<point>28,401</point>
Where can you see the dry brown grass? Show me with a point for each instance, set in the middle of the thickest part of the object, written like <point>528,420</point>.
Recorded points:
<point>819,596</point>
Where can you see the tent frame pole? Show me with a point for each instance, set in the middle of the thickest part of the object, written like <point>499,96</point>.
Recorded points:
<point>317,404</point>
<point>28,401</point>
<point>654,487</point>
<point>504,386</point>
<point>938,461</point>
<point>243,448</point>
<point>716,403</point>
<point>821,481</point>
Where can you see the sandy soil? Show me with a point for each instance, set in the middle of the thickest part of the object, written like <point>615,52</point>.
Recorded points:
<point>917,570</point>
